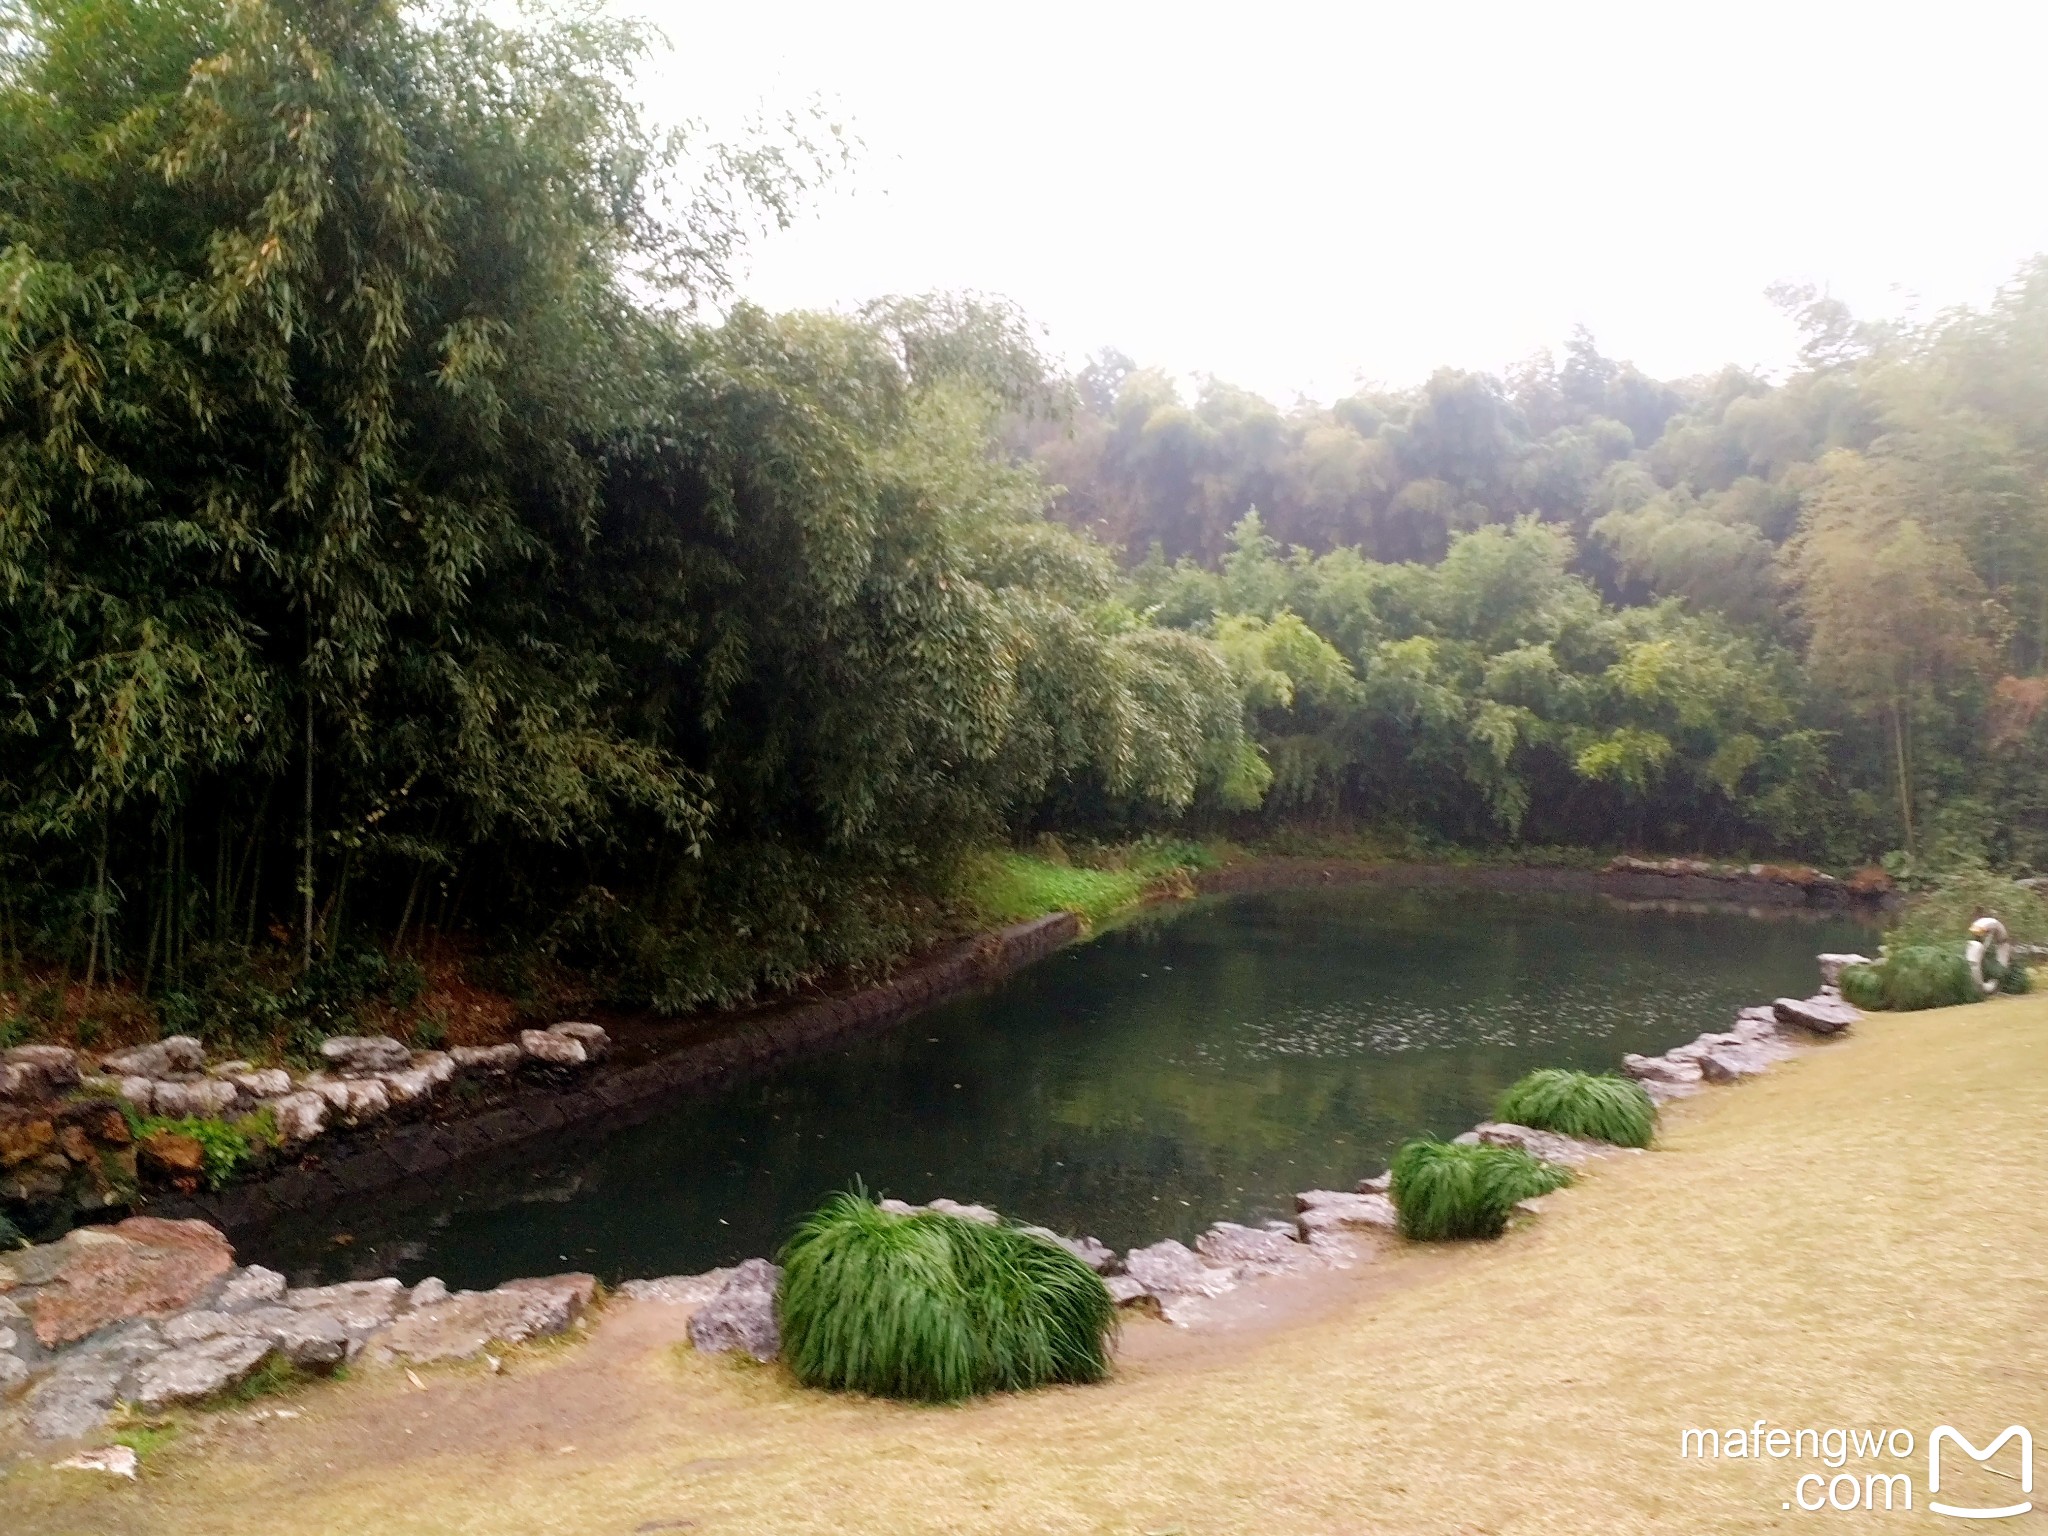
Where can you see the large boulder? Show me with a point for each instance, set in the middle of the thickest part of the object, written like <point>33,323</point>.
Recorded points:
<point>352,1101</point>
<point>742,1314</point>
<point>1092,1251</point>
<point>592,1037</point>
<point>460,1326</point>
<point>97,1276</point>
<point>1822,1015</point>
<point>300,1116</point>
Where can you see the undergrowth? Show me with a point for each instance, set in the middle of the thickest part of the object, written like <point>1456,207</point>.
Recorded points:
<point>1605,1108</point>
<point>1097,885</point>
<point>1445,1190</point>
<point>935,1308</point>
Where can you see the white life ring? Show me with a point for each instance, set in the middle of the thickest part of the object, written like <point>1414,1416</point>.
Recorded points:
<point>1987,933</point>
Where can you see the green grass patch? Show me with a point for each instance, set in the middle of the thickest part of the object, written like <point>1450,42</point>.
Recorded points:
<point>228,1144</point>
<point>935,1308</point>
<point>1000,888</point>
<point>1444,1190</point>
<point>147,1437</point>
<point>1607,1108</point>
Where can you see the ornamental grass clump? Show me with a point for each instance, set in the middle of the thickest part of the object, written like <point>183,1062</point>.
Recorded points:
<point>1915,977</point>
<point>1609,1108</point>
<point>935,1307</point>
<point>1445,1190</point>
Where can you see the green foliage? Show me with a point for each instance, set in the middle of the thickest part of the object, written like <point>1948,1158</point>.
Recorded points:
<point>148,1437</point>
<point>1864,986</point>
<point>1001,888</point>
<point>935,1308</point>
<point>1941,913</point>
<point>1916,976</point>
<point>228,1144</point>
<point>1605,1108</point>
<point>10,1235</point>
<point>1444,1190</point>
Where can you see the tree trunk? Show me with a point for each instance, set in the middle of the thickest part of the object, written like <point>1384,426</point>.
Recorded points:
<point>1905,774</point>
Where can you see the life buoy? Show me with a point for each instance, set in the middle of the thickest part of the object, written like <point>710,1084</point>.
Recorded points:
<point>1987,933</point>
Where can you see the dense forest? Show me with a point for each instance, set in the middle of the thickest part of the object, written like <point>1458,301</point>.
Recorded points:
<point>405,529</point>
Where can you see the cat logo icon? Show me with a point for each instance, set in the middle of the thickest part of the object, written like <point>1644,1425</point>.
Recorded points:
<point>2013,1432</point>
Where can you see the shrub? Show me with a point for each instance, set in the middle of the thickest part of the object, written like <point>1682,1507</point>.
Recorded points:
<point>1863,985</point>
<point>1609,1108</point>
<point>935,1308</point>
<point>228,1144</point>
<point>1915,977</point>
<point>1445,1190</point>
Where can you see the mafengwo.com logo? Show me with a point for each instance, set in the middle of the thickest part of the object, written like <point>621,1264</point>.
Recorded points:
<point>1873,1469</point>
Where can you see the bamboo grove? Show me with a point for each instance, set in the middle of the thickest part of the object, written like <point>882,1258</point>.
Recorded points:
<point>404,530</point>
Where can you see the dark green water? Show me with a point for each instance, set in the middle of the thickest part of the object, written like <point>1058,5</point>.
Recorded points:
<point>1199,1065</point>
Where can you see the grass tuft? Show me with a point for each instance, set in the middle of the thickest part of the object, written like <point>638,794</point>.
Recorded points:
<point>1444,1190</point>
<point>1609,1108</point>
<point>935,1308</point>
<point>1863,985</point>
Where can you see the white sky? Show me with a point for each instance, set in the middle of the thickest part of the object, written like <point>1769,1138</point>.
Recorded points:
<point>1296,197</point>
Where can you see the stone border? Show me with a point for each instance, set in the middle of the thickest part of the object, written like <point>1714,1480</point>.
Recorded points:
<point>624,1095</point>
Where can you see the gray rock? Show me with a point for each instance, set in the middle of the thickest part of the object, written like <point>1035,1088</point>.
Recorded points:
<point>139,1091</point>
<point>1129,1293</point>
<point>1325,1212</point>
<point>164,1058</point>
<point>37,1071</point>
<point>74,1399</point>
<point>315,1340</point>
<point>263,1083</point>
<point>1832,966</point>
<point>742,1313</point>
<point>199,1370</point>
<point>365,1055</point>
<point>209,1098</point>
<point>352,1100</point>
<point>1169,1269</point>
<point>1566,1151</point>
<point>13,1372</point>
<point>591,1037</point>
<point>429,1291</point>
<point>1821,1015</point>
<point>300,1116</point>
<point>1092,1251</point>
<point>360,1306</point>
<point>1250,1250</point>
<point>552,1050</point>
<point>677,1290</point>
<point>486,1058</point>
<point>1730,1063</point>
<point>250,1287</point>
<point>1378,1184</point>
<point>413,1085</point>
<point>462,1325</point>
<point>192,1327</point>
<point>1661,1069</point>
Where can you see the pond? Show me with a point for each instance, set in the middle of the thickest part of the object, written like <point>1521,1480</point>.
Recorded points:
<point>1199,1064</point>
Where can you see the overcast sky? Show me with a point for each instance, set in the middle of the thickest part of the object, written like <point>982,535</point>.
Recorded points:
<point>1300,197</point>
